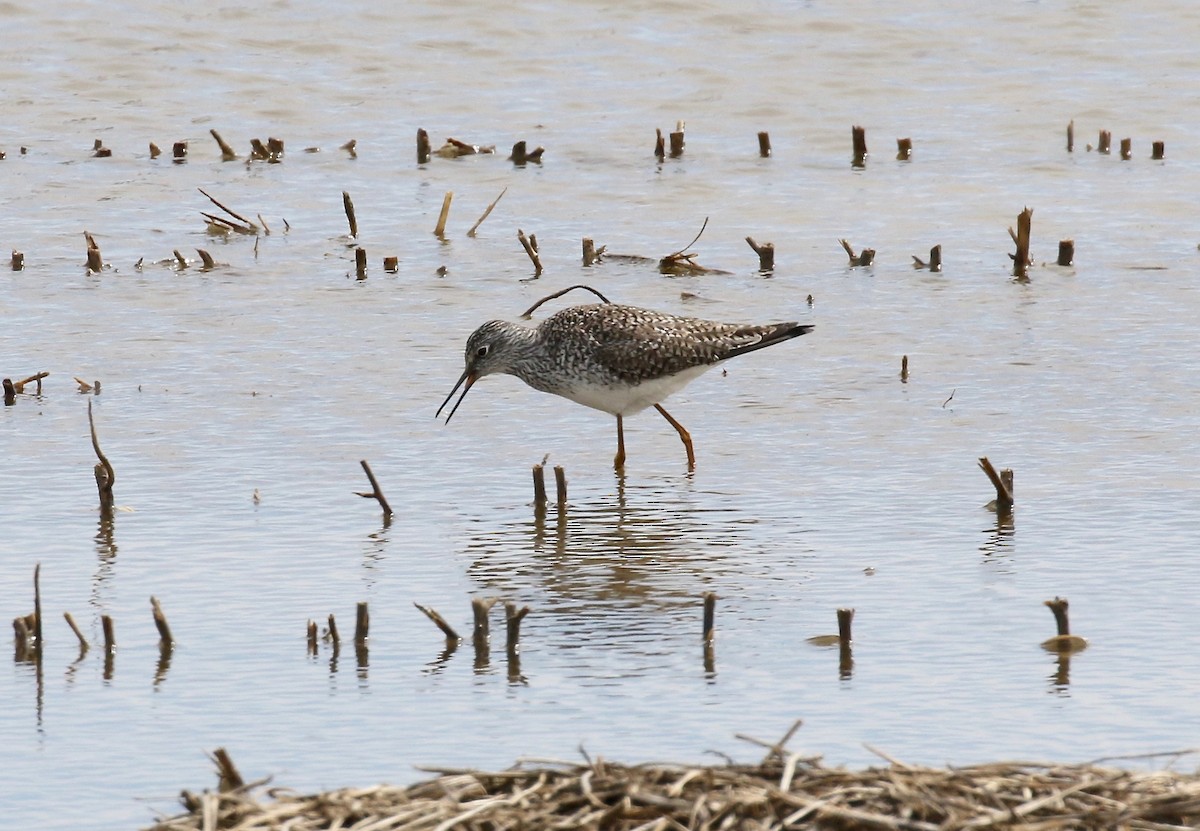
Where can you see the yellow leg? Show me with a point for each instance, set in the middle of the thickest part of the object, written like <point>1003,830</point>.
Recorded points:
<point>684,436</point>
<point>619,461</point>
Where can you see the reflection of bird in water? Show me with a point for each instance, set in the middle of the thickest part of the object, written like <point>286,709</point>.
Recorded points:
<point>619,359</point>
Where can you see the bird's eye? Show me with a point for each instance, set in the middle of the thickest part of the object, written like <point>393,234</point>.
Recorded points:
<point>482,351</point>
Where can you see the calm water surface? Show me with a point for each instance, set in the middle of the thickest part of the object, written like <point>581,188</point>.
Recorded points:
<point>823,480</point>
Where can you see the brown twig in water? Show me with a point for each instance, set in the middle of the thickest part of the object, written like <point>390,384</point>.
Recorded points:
<point>105,475</point>
<point>360,263</point>
<point>246,227</point>
<point>764,144</point>
<point>904,369</point>
<point>539,486</point>
<point>229,778</point>
<point>18,260</point>
<point>858,136</point>
<point>362,624</point>
<point>95,262</point>
<point>440,230</point>
<point>1071,136</point>
<point>512,618</point>
<point>765,252</point>
<point>1066,252</point>
<point>864,258</point>
<point>440,622</point>
<point>1064,642</point>
<point>487,211</point>
<point>529,312</point>
<point>165,640</point>
<point>710,612</point>
<point>560,487</point>
<point>1022,260</point>
<point>592,254</point>
<point>376,492</point>
<point>935,259</point>
<point>676,139</point>
<point>227,152</point>
<point>37,611</point>
<point>19,386</point>
<point>480,606</point>
<point>1002,481</point>
<point>520,155</point>
<point>349,206</point>
<point>83,644</point>
<point>530,246</point>
<point>903,149</point>
<point>207,259</point>
<point>660,147</point>
<point>333,631</point>
<point>423,149</point>
<point>110,636</point>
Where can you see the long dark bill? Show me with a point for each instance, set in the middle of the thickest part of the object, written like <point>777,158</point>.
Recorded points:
<point>470,378</point>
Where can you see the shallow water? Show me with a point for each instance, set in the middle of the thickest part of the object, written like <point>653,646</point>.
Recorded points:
<point>823,479</point>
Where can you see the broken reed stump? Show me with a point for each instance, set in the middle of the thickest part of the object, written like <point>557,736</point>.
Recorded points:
<point>423,149</point>
<point>1002,481</point>
<point>520,155</point>
<point>865,257</point>
<point>904,369</point>
<point>1104,144</point>
<point>539,486</point>
<point>228,777</point>
<point>348,204</point>
<point>360,263</point>
<point>845,617</point>
<point>1157,152</point>
<point>351,148</point>
<point>95,262</point>
<point>531,248</point>
<point>440,230</point>
<point>362,624</point>
<point>481,631</point>
<point>219,223</point>
<point>227,152</point>
<point>858,137</point>
<point>560,487</point>
<point>1126,149</point>
<point>764,144</point>
<point>18,260</point>
<point>110,637</point>
<point>312,638</point>
<point>208,262</point>
<point>590,254</point>
<point>660,148</point>
<point>1071,136</point>
<point>22,639</point>
<point>104,473</point>
<point>1066,252</point>
<point>180,259</point>
<point>1022,260</point>
<point>676,139</point>
<point>83,644</point>
<point>452,638</point>
<point>165,640</point>
<point>37,611</point>
<point>391,264</point>
<point>765,252</point>
<point>710,613</point>
<point>179,150</point>
<point>10,393</point>
<point>935,259</point>
<point>1064,642</point>
<point>99,151</point>
<point>486,211</point>
<point>333,631</point>
<point>155,150</point>
<point>903,149</point>
<point>512,624</point>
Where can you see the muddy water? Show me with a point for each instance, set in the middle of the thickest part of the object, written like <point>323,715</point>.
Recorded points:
<point>823,479</point>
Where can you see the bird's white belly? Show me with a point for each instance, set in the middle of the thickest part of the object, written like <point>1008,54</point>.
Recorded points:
<point>627,399</point>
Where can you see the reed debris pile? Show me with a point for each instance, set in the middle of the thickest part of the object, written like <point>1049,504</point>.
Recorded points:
<point>784,791</point>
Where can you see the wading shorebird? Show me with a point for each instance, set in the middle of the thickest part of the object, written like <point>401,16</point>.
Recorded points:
<point>619,359</point>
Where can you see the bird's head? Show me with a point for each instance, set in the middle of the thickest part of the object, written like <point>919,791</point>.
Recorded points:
<point>490,349</point>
